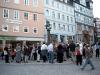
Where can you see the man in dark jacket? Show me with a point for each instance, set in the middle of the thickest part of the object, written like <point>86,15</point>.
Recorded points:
<point>72,46</point>
<point>60,52</point>
<point>72,50</point>
<point>26,53</point>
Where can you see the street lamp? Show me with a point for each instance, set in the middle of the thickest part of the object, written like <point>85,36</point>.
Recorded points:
<point>48,28</point>
<point>95,31</point>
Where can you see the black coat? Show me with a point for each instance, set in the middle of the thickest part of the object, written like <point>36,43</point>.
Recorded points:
<point>26,51</point>
<point>60,49</point>
<point>72,47</point>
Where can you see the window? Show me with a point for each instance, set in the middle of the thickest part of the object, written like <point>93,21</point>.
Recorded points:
<point>53,14</point>
<point>63,17</point>
<point>6,0</point>
<point>26,15</point>
<point>76,14</point>
<point>47,2</point>
<point>58,15</point>
<point>16,14</point>
<point>68,28</point>
<point>62,6</point>
<point>47,12</point>
<point>35,2</point>
<point>26,2</point>
<point>15,28</point>
<point>80,27</point>
<point>35,30</point>
<point>54,26</point>
<point>67,18</point>
<point>26,29</point>
<point>57,5</point>
<point>34,17</point>
<point>87,28</point>
<point>16,1</point>
<point>72,28</point>
<point>70,10</point>
<point>67,9</point>
<point>71,19</point>
<point>5,13</point>
<point>52,3</point>
<point>59,26</point>
<point>5,28</point>
<point>80,9</point>
<point>64,27</point>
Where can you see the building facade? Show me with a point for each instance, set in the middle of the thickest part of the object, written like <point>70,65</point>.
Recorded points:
<point>60,14</point>
<point>21,21</point>
<point>97,27</point>
<point>84,19</point>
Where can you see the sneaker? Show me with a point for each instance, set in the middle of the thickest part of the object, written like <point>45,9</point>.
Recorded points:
<point>92,68</point>
<point>82,68</point>
<point>38,61</point>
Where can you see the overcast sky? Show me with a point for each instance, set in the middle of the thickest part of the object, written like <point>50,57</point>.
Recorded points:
<point>96,8</point>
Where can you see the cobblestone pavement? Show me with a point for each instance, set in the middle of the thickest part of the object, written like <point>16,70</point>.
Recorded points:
<point>66,68</point>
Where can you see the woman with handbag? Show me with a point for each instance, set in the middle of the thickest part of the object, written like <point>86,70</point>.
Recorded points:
<point>78,55</point>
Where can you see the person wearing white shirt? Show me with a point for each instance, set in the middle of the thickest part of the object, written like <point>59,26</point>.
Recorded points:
<point>81,52</point>
<point>81,48</point>
<point>44,52</point>
<point>50,52</point>
<point>44,47</point>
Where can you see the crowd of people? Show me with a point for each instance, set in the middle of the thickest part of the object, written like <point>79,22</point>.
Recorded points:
<point>59,52</point>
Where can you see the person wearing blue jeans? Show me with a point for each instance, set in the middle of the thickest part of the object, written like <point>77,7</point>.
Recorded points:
<point>88,61</point>
<point>88,55</point>
<point>50,52</point>
<point>51,56</point>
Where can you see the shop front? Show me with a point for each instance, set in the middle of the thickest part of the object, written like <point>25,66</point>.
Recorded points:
<point>13,41</point>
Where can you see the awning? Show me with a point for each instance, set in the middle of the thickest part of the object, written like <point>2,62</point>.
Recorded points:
<point>21,38</point>
<point>29,39</point>
<point>7,38</point>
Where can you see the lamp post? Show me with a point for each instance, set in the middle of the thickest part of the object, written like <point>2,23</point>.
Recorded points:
<point>48,28</point>
<point>95,31</point>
